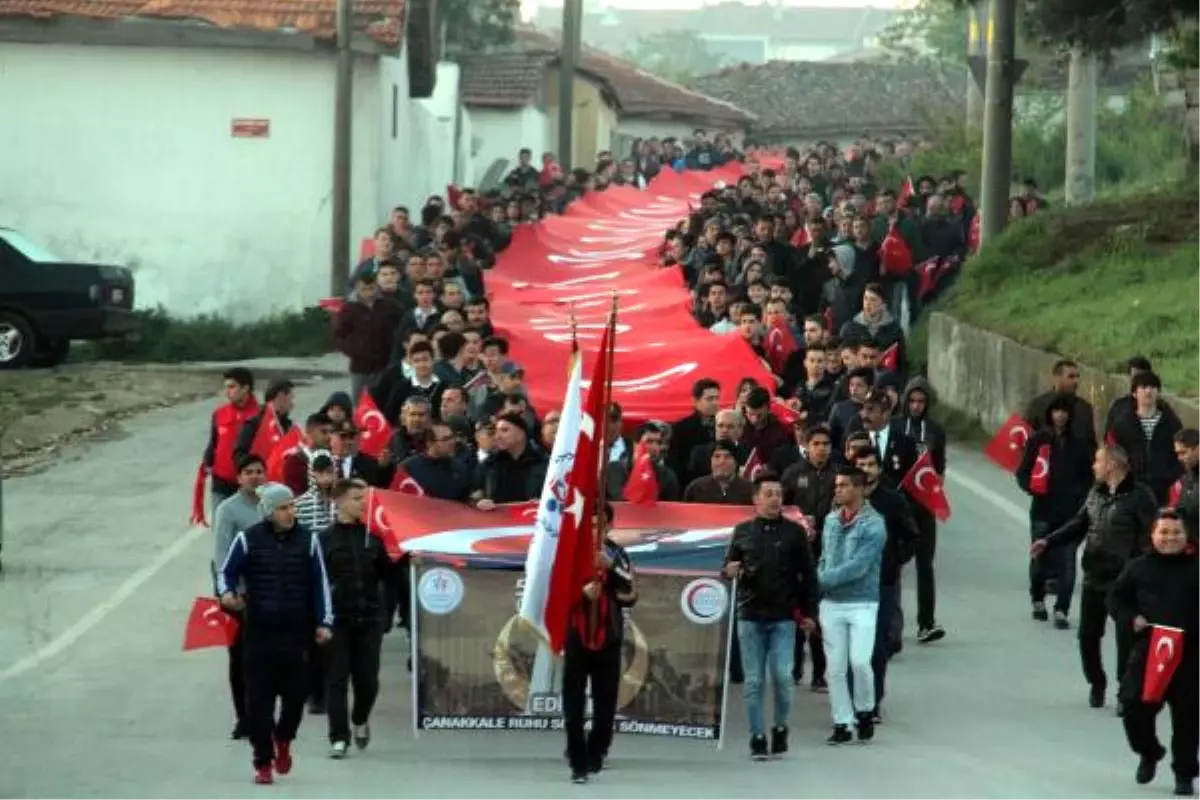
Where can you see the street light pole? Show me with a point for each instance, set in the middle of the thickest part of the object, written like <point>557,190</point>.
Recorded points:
<point>343,107</point>
<point>998,117</point>
<point>568,60</point>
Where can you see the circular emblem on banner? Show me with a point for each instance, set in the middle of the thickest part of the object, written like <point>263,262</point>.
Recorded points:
<point>704,600</point>
<point>440,591</point>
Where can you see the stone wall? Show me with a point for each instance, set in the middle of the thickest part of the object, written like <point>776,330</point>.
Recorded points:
<point>988,376</point>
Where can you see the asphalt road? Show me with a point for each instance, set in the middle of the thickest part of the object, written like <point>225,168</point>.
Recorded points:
<point>97,700</point>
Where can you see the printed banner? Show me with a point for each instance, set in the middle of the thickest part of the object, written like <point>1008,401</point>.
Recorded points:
<point>481,668</point>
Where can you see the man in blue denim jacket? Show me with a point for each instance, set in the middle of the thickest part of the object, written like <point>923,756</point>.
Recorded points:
<point>852,545</point>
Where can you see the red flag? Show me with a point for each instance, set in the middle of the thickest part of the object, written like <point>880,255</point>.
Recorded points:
<point>379,526</point>
<point>783,412</point>
<point>889,359</point>
<point>267,435</point>
<point>929,271</point>
<point>374,432</point>
<point>907,190</point>
<point>1176,493</point>
<point>1162,658</point>
<point>829,320</point>
<point>198,497</point>
<point>1008,445</point>
<point>405,483</point>
<point>753,465</point>
<point>924,485</point>
<point>642,486</point>
<point>524,512</point>
<point>1110,439</point>
<point>780,344</point>
<point>974,236</point>
<point>332,304</point>
<point>895,254</point>
<point>286,445</point>
<point>208,626</point>
<point>478,379</point>
<point>1039,479</point>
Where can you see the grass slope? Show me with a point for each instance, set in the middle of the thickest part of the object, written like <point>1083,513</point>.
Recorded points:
<point>1098,283</point>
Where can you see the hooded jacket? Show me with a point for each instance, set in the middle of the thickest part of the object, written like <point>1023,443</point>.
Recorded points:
<point>1115,527</point>
<point>1070,466</point>
<point>925,433</point>
<point>1083,416</point>
<point>884,331</point>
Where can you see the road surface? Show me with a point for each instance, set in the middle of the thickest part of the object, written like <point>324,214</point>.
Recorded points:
<point>97,700</point>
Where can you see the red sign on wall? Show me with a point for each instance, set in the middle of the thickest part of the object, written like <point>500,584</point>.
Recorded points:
<point>250,128</point>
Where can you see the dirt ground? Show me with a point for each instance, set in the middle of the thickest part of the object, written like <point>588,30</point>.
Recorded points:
<point>44,411</point>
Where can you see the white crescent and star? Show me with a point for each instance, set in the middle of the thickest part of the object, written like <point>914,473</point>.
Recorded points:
<point>1041,468</point>
<point>369,429</point>
<point>1168,644</point>
<point>933,488</point>
<point>1017,438</point>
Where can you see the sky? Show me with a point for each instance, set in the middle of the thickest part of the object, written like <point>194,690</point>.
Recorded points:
<point>529,7</point>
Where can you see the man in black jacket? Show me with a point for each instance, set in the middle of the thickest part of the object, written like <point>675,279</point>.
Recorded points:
<point>1187,450</point>
<point>357,564</point>
<point>1066,382</point>
<point>696,429</point>
<point>1056,471</point>
<point>438,471</point>
<point>776,589</point>
<point>1146,431</point>
<point>516,470</point>
<point>1114,523</point>
<point>286,598</point>
<point>902,537</point>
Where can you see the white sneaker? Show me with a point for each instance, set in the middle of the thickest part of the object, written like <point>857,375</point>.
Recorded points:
<point>338,750</point>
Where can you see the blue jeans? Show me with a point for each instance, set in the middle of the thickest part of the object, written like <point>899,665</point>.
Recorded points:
<point>763,645</point>
<point>1058,563</point>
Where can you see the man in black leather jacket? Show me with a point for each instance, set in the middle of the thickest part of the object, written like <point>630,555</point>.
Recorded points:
<point>1114,524</point>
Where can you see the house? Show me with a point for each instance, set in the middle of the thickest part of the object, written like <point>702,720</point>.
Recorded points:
<point>737,32</point>
<point>797,101</point>
<point>503,91</point>
<point>192,140</point>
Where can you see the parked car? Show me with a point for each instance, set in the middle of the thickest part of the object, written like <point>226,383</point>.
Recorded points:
<point>46,302</point>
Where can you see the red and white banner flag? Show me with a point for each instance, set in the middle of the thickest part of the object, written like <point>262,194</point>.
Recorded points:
<point>379,525</point>
<point>924,485</point>
<point>1007,447</point>
<point>1163,655</point>
<point>374,432</point>
<point>561,556</point>
<point>208,626</point>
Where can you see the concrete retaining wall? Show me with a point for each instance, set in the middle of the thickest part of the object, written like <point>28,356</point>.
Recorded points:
<point>988,376</point>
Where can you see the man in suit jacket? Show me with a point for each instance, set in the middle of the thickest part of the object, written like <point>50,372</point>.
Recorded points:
<point>696,429</point>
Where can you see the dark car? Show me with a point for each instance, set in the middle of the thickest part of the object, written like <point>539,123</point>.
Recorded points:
<point>45,302</point>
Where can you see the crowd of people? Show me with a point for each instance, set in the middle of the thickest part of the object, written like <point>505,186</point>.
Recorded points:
<point>813,264</point>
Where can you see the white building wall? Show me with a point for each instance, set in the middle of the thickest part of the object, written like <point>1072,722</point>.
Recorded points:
<point>124,155</point>
<point>501,133</point>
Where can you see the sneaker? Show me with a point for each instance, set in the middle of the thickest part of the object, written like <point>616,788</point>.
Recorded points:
<point>866,727</point>
<point>1096,697</point>
<point>338,750</point>
<point>841,735</point>
<point>779,740</point>
<point>240,731</point>
<point>264,776</point>
<point>1039,612</point>
<point>579,777</point>
<point>1185,787</point>
<point>595,765</point>
<point>362,736</point>
<point>758,748</point>
<point>931,634</point>
<point>820,686</point>
<point>316,707</point>
<point>1145,771</point>
<point>283,757</point>
<point>1060,620</point>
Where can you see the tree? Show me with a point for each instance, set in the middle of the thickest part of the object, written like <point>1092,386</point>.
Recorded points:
<point>474,26</point>
<point>932,30</point>
<point>678,56</point>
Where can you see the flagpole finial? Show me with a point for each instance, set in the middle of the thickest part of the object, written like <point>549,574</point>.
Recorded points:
<point>574,326</point>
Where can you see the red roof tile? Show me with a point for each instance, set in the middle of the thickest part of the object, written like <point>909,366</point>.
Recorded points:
<point>379,19</point>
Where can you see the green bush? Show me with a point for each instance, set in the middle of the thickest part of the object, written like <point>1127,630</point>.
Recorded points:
<point>166,339</point>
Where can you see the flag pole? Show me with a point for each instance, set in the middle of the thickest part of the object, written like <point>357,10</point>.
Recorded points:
<point>602,476</point>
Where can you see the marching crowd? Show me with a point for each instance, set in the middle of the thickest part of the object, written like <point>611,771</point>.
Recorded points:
<point>820,271</point>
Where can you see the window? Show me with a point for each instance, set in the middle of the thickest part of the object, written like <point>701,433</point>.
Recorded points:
<point>34,252</point>
<point>395,110</point>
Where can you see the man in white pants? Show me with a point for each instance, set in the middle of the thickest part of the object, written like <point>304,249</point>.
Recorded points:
<point>848,574</point>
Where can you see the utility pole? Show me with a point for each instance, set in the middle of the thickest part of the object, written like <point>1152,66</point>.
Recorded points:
<point>976,64</point>
<point>568,60</point>
<point>998,116</point>
<point>343,108</point>
<point>1081,127</point>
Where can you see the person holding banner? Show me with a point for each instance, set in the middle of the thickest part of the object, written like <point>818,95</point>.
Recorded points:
<point>777,588</point>
<point>1157,597</point>
<point>600,661</point>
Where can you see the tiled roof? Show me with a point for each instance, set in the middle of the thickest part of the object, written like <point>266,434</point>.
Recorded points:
<point>641,93</point>
<point>379,19</point>
<point>503,80</point>
<point>801,97</point>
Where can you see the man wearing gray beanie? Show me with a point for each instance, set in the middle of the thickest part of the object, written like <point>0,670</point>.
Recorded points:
<point>286,603</point>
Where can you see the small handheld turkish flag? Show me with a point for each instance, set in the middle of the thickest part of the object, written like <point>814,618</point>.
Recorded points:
<point>286,445</point>
<point>924,485</point>
<point>1176,493</point>
<point>374,432</point>
<point>379,526</point>
<point>404,483</point>
<point>783,412</point>
<point>1008,445</point>
<point>889,359</point>
<point>1163,657</point>
<point>1039,479</point>
<point>208,626</point>
<point>267,435</point>
<point>779,345</point>
<point>753,465</point>
<point>642,486</point>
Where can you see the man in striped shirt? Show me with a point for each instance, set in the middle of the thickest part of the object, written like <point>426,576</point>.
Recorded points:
<point>314,510</point>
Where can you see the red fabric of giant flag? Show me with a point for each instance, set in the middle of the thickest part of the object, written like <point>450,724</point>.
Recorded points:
<point>374,432</point>
<point>208,626</point>
<point>562,553</point>
<point>1163,655</point>
<point>1008,445</point>
<point>924,485</point>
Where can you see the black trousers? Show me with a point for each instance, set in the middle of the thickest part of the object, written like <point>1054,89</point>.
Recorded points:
<point>603,668</point>
<point>316,674</point>
<point>926,549</point>
<point>276,670</point>
<point>351,662</point>
<point>398,593</point>
<point>817,648</point>
<point>1182,700</point>
<point>237,676</point>
<point>1093,619</point>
